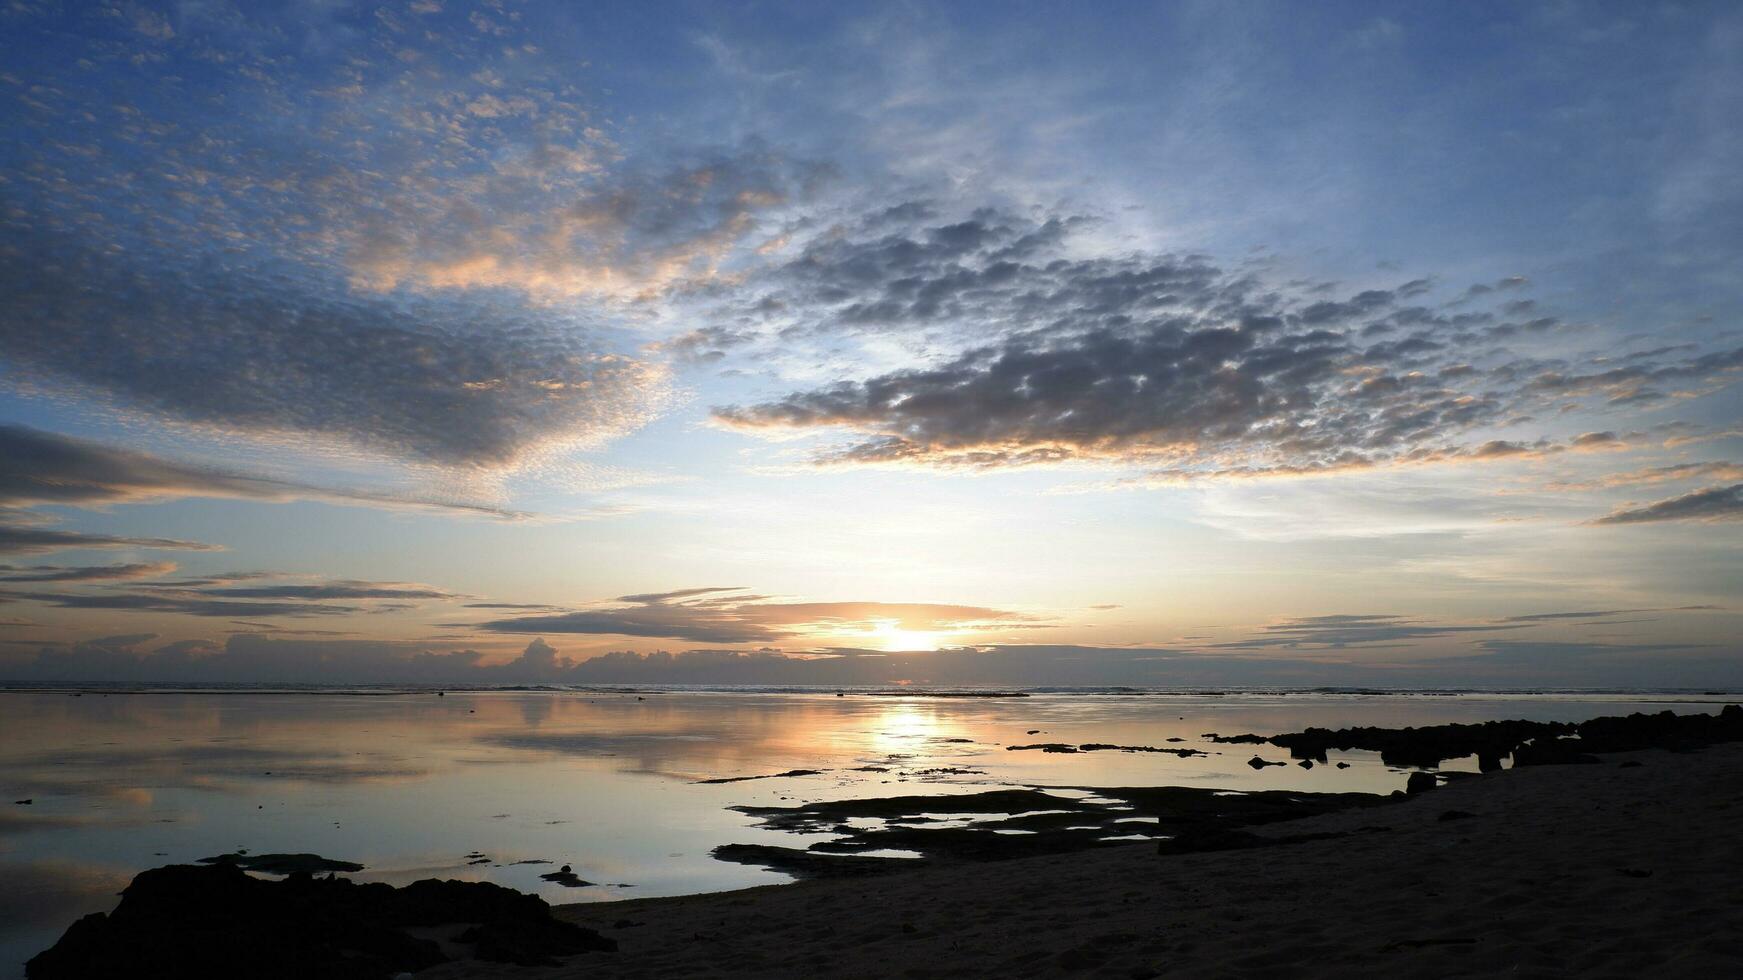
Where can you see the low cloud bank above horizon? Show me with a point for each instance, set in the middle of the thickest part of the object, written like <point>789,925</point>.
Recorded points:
<point>258,658</point>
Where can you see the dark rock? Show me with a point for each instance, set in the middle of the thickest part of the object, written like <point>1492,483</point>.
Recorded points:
<point>23,802</point>
<point>1033,731</point>
<point>777,775</point>
<point>1051,824</point>
<point>282,864</point>
<point>1491,741</point>
<point>1420,782</point>
<point>566,877</point>
<point>1343,765</point>
<point>1043,746</point>
<point>1258,763</point>
<point>1306,763</point>
<point>218,921</point>
<point>810,864</point>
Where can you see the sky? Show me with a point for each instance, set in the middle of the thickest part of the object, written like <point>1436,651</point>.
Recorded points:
<point>1005,344</point>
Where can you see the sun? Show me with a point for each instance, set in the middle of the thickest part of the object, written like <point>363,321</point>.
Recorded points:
<point>894,639</point>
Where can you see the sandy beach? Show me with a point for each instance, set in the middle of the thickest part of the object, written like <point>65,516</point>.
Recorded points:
<point>1624,869</point>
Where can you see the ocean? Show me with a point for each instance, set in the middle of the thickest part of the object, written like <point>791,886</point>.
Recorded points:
<point>630,788</point>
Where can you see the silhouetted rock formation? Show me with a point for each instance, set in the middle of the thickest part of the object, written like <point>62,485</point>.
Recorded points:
<point>1543,742</point>
<point>1103,747</point>
<point>189,921</point>
<point>285,864</point>
<point>774,775</point>
<point>1420,782</point>
<point>566,877</point>
<point>1015,823</point>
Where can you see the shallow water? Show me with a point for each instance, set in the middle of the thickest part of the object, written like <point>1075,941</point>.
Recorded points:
<point>415,785</point>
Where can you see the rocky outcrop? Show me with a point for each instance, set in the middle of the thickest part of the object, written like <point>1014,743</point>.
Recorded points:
<point>1545,743</point>
<point>218,921</point>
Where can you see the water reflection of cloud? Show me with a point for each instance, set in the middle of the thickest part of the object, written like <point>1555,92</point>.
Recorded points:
<point>92,773</point>
<point>54,892</point>
<point>17,820</point>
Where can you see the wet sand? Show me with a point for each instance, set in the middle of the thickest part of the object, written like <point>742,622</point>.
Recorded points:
<point>1611,870</point>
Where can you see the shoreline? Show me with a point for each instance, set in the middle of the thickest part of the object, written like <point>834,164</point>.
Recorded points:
<point>1025,881</point>
<point>1622,869</point>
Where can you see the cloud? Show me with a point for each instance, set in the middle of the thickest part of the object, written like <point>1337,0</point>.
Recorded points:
<point>334,590</point>
<point>1337,631</point>
<point>647,230</point>
<point>267,659</point>
<point>38,467</point>
<point>1602,613</point>
<point>704,615</point>
<point>650,598</point>
<point>1656,474</point>
<point>1712,505</point>
<point>217,597</point>
<point>41,540</point>
<point>1155,359</point>
<point>186,605</point>
<point>85,573</point>
<point>471,383</point>
<point>443,261</point>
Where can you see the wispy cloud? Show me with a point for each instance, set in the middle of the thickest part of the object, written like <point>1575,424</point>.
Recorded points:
<point>723,615</point>
<point>39,467</point>
<point>1349,630</point>
<point>86,573</point>
<point>42,540</point>
<point>1712,505</point>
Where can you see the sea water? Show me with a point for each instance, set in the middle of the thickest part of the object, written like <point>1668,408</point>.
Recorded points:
<point>507,785</point>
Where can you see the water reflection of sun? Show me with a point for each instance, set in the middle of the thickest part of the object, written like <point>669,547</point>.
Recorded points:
<point>905,727</point>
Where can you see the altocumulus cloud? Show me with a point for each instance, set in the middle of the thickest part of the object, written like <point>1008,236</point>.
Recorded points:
<point>473,383</point>
<point>393,295</point>
<point>1157,359</point>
